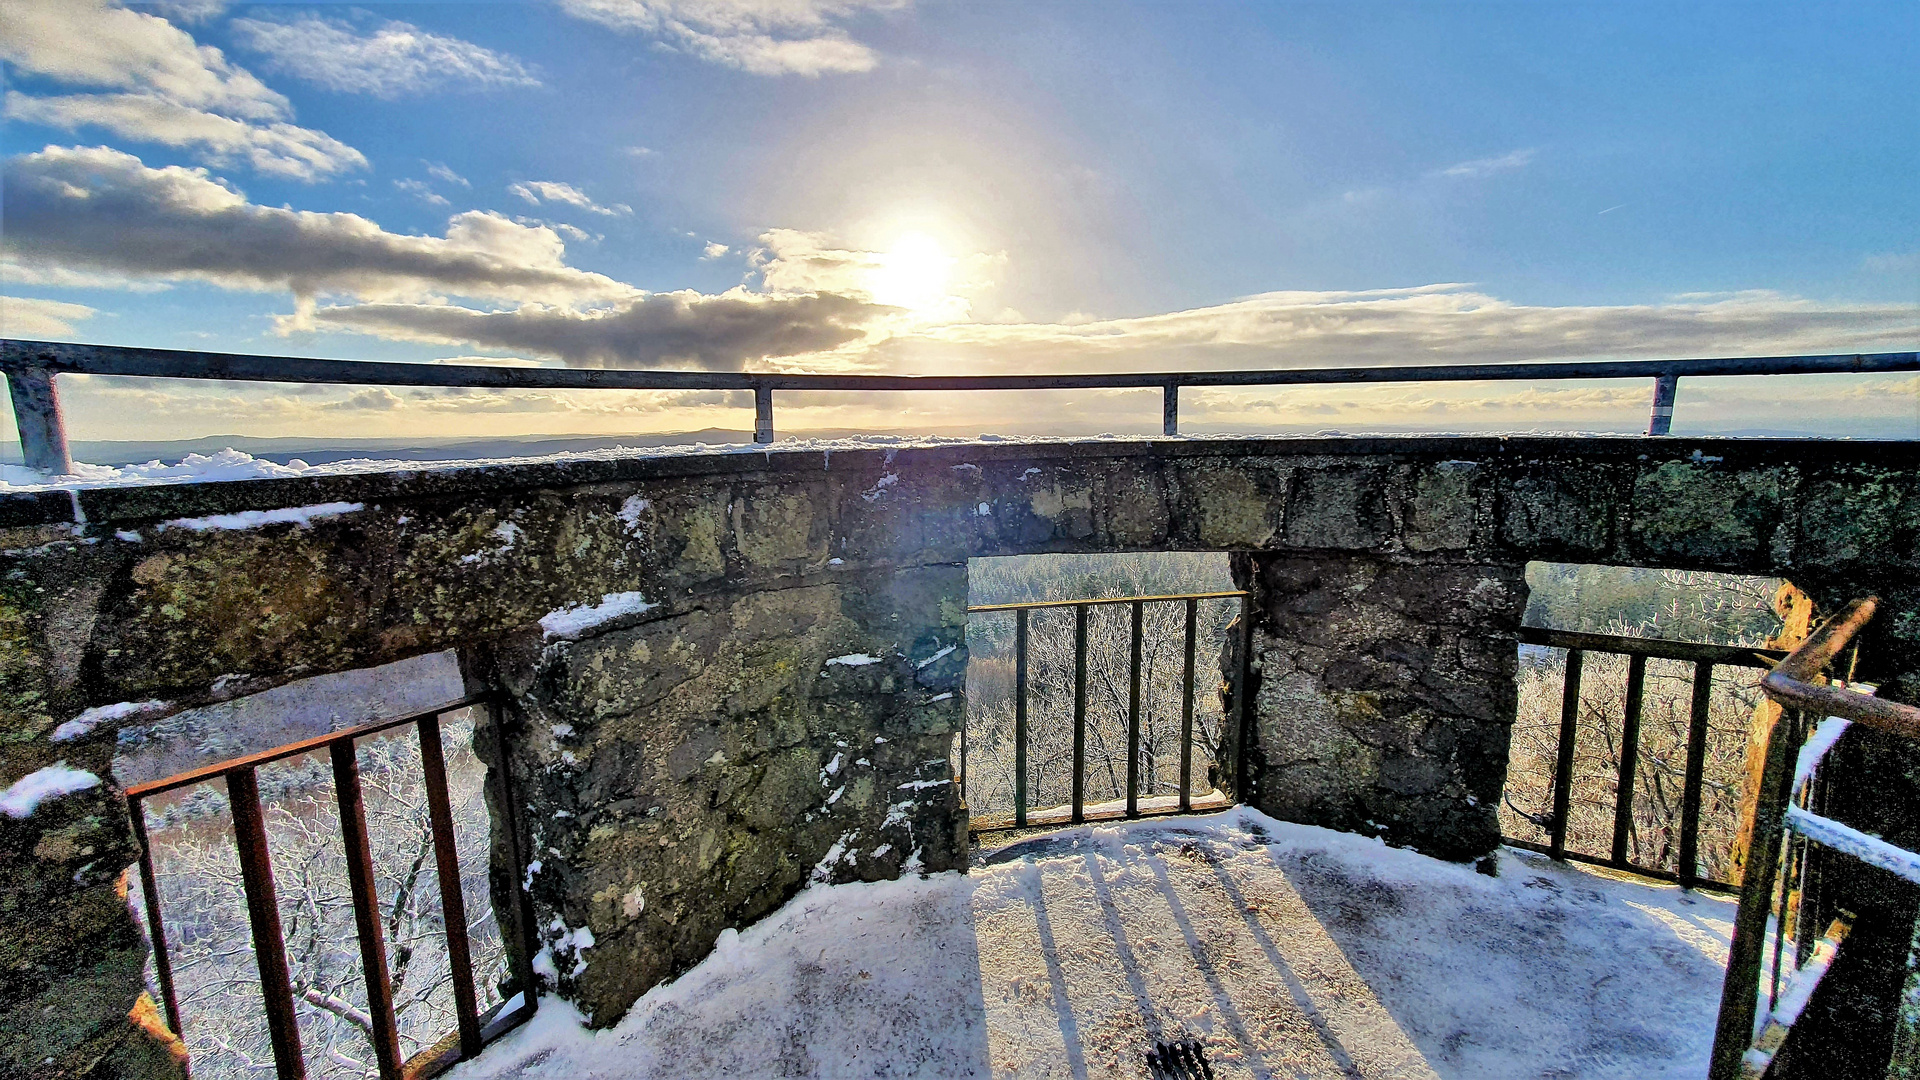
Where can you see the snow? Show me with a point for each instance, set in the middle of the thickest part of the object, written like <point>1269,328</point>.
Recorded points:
<point>630,512</point>
<point>1815,749</point>
<point>301,516</point>
<point>100,714</point>
<point>1286,950</point>
<point>853,659</point>
<point>571,622</point>
<point>1868,849</point>
<point>935,657</point>
<point>26,794</point>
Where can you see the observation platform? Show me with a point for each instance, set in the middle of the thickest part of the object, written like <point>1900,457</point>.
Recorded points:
<point>1285,950</point>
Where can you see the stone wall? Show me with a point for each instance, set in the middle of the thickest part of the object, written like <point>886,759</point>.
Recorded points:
<point>690,741</point>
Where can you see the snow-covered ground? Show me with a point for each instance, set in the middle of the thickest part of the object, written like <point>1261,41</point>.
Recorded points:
<point>1288,951</point>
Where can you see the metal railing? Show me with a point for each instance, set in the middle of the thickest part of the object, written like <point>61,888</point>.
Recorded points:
<point>1787,817</point>
<point>32,366</point>
<point>1705,658</point>
<point>263,915</point>
<point>1235,725</point>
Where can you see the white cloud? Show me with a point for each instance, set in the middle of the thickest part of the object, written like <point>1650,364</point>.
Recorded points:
<point>185,11</point>
<point>421,190</point>
<point>538,191</point>
<point>1429,324</point>
<point>762,37</point>
<point>22,317</point>
<point>1518,159</point>
<point>386,61</point>
<point>724,332</point>
<point>102,211</point>
<point>1893,262</point>
<point>160,86</point>
<point>441,172</point>
<point>714,250</point>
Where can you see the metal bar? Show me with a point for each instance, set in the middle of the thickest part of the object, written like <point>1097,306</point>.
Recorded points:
<point>499,780</point>
<point>453,905</point>
<point>1563,768</point>
<point>1740,993</point>
<point>1243,707</point>
<point>762,413</point>
<point>1035,605</point>
<point>963,760</point>
<point>263,916</point>
<point>1658,648</point>
<point>278,753</point>
<point>1696,769</point>
<point>1170,410</point>
<point>1654,873</point>
<point>1133,716</point>
<point>1020,718</point>
<point>1665,387</point>
<point>366,908</point>
<point>1079,713</point>
<point>156,927</point>
<point>1186,710</point>
<point>36,414</point>
<point>18,354</point>
<point>1791,683</point>
<point>1629,758</point>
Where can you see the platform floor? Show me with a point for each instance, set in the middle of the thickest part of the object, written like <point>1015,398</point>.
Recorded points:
<point>1287,951</point>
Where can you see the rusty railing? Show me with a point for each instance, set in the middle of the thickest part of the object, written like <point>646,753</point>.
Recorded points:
<point>1705,658</point>
<point>1787,823</point>
<point>263,915</point>
<point>1235,725</point>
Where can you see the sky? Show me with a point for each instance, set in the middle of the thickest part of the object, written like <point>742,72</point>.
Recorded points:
<point>928,186</point>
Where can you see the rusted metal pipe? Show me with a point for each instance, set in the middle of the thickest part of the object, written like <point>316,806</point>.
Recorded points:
<point>1791,683</point>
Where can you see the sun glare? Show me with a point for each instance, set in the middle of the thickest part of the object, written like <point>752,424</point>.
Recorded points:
<point>914,274</point>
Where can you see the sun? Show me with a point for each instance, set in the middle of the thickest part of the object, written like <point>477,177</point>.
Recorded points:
<point>914,274</point>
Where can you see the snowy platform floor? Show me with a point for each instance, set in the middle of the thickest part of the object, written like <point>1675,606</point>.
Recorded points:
<point>1288,951</point>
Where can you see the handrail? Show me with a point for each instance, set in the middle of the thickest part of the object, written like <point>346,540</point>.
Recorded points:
<point>1030,605</point>
<point>1791,683</point>
<point>31,367</point>
<point>1657,648</point>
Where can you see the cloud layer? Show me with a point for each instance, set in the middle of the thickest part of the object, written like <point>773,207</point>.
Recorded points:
<point>154,83</point>
<point>98,210</point>
<point>391,59</point>
<point>762,37</point>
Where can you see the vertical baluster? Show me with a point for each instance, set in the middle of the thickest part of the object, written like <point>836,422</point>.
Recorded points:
<point>511,833</point>
<point>1020,717</point>
<point>1629,758</point>
<point>263,915</point>
<point>453,905</point>
<point>1563,768</point>
<point>1739,993</point>
<point>963,759</point>
<point>1186,711</point>
<point>1079,712</point>
<point>1242,721</point>
<point>366,907</point>
<point>1696,768</point>
<point>156,928</point>
<point>1133,715</point>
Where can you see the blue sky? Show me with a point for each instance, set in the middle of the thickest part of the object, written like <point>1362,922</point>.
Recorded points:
<point>894,185</point>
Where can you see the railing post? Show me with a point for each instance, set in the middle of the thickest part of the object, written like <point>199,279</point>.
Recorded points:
<point>1133,715</point>
<point>156,926</point>
<point>1186,711</point>
<point>1563,768</point>
<point>1696,769</point>
<point>762,413</point>
<point>1740,993</point>
<point>1665,387</point>
<point>1629,758</point>
<point>366,907</point>
<point>36,412</point>
<point>263,914</point>
<point>1079,713</point>
<point>1020,717</point>
<point>453,905</point>
<point>1170,409</point>
<point>1242,685</point>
